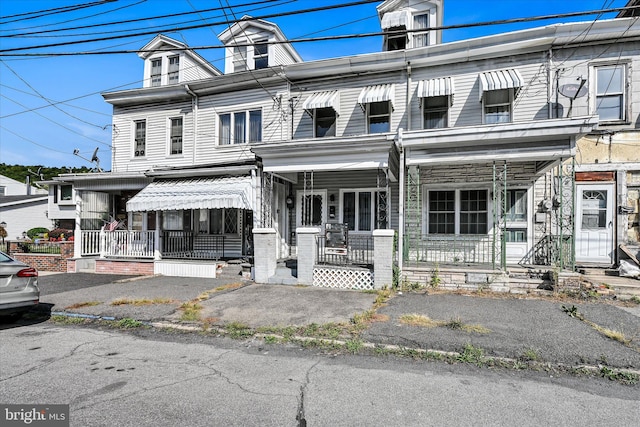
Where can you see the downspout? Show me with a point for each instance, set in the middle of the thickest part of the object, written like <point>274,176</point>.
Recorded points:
<point>194,108</point>
<point>408,98</point>
<point>549,66</point>
<point>401,196</point>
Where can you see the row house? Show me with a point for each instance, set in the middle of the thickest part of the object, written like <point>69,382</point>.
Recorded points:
<point>477,153</point>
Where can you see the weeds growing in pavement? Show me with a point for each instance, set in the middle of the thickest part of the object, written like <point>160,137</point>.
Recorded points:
<point>471,354</point>
<point>353,346</point>
<point>128,323</point>
<point>419,320</point>
<point>142,301</point>
<point>190,311</point>
<point>455,323</point>
<point>237,330</point>
<point>66,320</point>
<point>83,304</point>
<point>628,378</point>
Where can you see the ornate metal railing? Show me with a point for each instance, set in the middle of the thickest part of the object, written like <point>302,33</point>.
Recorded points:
<point>185,244</point>
<point>359,251</point>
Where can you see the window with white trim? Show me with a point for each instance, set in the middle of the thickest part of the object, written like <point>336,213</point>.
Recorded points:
<point>140,138</point>
<point>261,54</point>
<point>516,216</point>
<point>175,136</point>
<point>156,72</point>
<point>361,208</point>
<point>378,117</point>
<point>239,58</point>
<point>435,112</point>
<point>497,106</point>
<point>324,120</point>
<point>610,88</point>
<point>233,128</point>
<point>420,22</point>
<point>396,41</point>
<point>457,211</point>
<point>173,73</point>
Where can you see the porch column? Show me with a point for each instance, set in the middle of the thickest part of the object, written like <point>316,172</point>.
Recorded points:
<point>77,232</point>
<point>264,254</point>
<point>157,253</point>
<point>307,253</point>
<point>382,258</point>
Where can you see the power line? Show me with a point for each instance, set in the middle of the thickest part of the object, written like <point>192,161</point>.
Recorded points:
<point>327,38</point>
<point>54,11</point>
<point>31,141</point>
<point>128,21</point>
<point>191,27</point>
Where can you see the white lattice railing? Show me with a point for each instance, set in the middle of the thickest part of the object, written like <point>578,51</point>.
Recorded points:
<point>343,278</point>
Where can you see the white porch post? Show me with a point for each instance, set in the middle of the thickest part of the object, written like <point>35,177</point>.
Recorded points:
<point>264,254</point>
<point>307,253</point>
<point>383,258</point>
<point>77,232</point>
<point>157,254</point>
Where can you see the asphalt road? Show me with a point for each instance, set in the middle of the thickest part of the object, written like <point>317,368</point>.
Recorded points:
<point>113,378</point>
<point>50,284</point>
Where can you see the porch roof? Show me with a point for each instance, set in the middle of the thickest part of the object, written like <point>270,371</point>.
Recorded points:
<point>203,193</point>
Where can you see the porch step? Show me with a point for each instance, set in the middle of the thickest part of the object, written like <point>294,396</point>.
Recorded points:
<point>622,287</point>
<point>286,273</point>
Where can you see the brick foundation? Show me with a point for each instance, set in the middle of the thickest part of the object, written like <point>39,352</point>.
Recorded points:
<point>130,267</point>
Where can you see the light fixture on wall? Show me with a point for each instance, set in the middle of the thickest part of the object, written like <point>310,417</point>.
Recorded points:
<point>290,201</point>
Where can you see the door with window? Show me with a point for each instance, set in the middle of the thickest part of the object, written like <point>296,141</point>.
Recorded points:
<point>517,225</point>
<point>311,210</point>
<point>594,223</point>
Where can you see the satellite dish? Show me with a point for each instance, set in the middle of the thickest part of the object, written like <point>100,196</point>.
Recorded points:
<point>94,158</point>
<point>573,90</point>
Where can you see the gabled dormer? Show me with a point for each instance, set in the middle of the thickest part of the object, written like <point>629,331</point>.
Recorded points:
<point>169,62</point>
<point>252,44</point>
<point>397,16</point>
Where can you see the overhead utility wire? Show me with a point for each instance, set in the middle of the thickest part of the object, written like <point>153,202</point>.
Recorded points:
<point>128,21</point>
<point>45,10</point>
<point>192,27</point>
<point>63,10</point>
<point>3,52</point>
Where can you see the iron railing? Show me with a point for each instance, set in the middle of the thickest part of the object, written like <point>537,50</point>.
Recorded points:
<point>459,249</point>
<point>359,252</point>
<point>185,244</point>
<point>40,248</point>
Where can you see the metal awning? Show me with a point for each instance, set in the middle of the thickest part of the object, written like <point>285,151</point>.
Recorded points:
<point>398,18</point>
<point>377,93</point>
<point>435,87</point>
<point>203,193</point>
<point>321,100</point>
<point>502,79</point>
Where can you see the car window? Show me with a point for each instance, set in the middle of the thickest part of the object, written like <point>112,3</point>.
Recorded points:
<point>4,258</point>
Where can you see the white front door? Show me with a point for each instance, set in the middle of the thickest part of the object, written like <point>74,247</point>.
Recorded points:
<point>594,223</point>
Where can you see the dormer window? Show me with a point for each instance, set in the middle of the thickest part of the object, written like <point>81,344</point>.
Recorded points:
<point>261,55</point>
<point>156,72</point>
<point>397,41</point>
<point>174,70</point>
<point>420,22</point>
<point>239,58</point>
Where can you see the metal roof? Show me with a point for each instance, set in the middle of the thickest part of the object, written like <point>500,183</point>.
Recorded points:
<point>502,79</point>
<point>203,193</point>
<point>377,93</point>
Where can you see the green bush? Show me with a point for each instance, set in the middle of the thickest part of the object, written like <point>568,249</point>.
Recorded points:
<point>37,232</point>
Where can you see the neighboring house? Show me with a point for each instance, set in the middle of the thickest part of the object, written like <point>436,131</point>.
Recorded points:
<point>466,149</point>
<point>22,213</point>
<point>11,187</point>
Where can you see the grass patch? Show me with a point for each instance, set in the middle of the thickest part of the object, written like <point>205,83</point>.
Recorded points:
<point>237,330</point>
<point>207,294</point>
<point>142,301</point>
<point>66,320</point>
<point>353,346</point>
<point>190,311</point>
<point>471,354</point>
<point>420,320</point>
<point>83,304</point>
<point>628,378</point>
<point>128,323</point>
<point>530,355</point>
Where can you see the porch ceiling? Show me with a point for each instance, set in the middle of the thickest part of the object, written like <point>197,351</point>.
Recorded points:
<point>204,193</point>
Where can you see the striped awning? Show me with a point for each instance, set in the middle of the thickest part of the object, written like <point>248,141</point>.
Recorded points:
<point>398,18</point>
<point>436,87</point>
<point>202,193</point>
<point>502,79</point>
<point>377,93</point>
<point>321,100</point>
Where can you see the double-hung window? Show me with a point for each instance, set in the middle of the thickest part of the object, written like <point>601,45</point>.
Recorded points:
<point>156,72</point>
<point>140,138</point>
<point>261,55</point>
<point>610,87</point>
<point>173,73</point>
<point>497,106</point>
<point>224,221</point>
<point>239,58</point>
<point>435,111</point>
<point>364,210</point>
<point>324,122</point>
<point>175,137</point>
<point>378,117</point>
<point>420,22</point>
<point>457,211</point>
<point>240,127</point>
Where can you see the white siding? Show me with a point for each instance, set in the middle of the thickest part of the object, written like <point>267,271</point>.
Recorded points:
<point>24,217</point>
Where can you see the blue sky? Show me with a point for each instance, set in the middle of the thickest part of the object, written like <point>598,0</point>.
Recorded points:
<point>33,132</point>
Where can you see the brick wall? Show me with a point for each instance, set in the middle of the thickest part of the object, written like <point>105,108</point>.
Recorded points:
<point>44,262</point>
<point>131,267</point>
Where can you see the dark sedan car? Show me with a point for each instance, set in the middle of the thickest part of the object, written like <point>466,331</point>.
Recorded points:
<point>18,287</point>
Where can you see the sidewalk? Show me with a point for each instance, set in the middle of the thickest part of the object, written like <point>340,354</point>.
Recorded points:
<point>509,326</point>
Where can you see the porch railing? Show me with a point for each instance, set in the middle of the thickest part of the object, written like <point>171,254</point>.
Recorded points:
<point>128,243</point>
<point>90,243</point>
<point>185,244</point>
<point>359,252</point>
<point>450,249</point>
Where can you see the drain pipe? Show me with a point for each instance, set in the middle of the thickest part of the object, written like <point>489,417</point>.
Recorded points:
<point>401,202</point>
<point>194,108</point>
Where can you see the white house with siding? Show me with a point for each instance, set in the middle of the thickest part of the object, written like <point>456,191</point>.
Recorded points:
<point>469,150</point>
